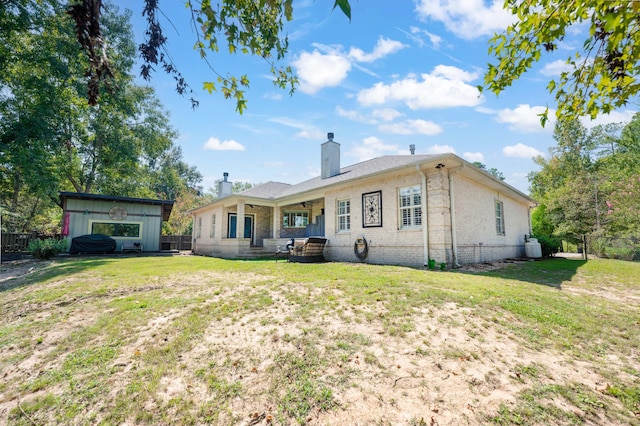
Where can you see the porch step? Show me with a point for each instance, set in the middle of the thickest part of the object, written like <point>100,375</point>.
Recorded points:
<point>255,253</point>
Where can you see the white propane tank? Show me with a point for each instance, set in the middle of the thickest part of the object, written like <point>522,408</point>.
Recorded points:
<point>533,249</point>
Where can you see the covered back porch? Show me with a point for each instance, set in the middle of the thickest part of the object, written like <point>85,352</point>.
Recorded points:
<point>253,228</point>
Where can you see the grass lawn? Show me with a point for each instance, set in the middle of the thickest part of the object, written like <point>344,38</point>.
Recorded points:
<point>191,340</point>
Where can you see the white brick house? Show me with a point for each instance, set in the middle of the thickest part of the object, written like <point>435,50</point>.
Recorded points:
<point>471,216</point>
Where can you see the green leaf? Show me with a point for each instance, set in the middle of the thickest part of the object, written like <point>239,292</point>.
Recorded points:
<point>288,9</point>
<point>344,6</point>
<point>209,86</point>
<point>544,117</point>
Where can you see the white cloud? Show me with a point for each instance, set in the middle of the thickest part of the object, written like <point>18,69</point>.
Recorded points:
<point>386,114</point>
<point>440,149</point>
<point>214,144</point>
<point>411,127</point>
<point>435,39</point>
<point>307,131</point>
<point>445,87</point>
<point>525,118</point>
<point>383,48</point>
<point>372,147</point>
<point>275,164</point>
<point>484,110</point>
<point>328,66</point>
<point>412,36</point>
<point>467,19</point>
<point>318,70</point>
<point>555,68</point>
<point>273,96</point>
<point>474,156</point>
<point>354,115</point>
<point>521,150</point>
<point>612,117</point>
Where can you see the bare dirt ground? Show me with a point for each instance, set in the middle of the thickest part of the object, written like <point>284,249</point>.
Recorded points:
<point>18,268</point>
<point>453,369</point>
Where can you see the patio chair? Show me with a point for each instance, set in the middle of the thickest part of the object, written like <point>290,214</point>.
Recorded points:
<point>307,250</point>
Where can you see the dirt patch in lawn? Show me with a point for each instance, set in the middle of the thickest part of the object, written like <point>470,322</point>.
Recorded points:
<point>13,269</point>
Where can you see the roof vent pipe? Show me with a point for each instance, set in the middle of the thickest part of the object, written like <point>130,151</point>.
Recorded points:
<point>412,149</point>
<point>225,175</point>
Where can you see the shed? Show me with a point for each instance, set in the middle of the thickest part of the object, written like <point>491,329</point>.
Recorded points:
<point>124,219</point>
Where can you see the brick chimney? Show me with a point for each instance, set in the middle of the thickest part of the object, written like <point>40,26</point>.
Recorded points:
<point>330,153</point>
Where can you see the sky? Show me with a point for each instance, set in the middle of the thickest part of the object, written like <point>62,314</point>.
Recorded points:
<point>399,73</point>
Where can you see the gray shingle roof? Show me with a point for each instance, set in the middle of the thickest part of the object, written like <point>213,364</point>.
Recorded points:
<point>364,169</point>
<point>267,190</point>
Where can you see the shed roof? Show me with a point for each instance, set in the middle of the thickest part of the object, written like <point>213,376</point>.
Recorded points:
<point>166,205</point>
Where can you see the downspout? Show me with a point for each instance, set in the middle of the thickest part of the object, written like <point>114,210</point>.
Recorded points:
<point>425,213</point>
<point>452,205</point>
<point>194,243</point>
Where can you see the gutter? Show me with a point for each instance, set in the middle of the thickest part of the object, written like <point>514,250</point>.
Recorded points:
<point>454,238</point>
<point>425,214</point>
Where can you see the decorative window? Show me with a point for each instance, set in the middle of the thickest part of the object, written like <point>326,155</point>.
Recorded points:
<point>343,215</point>
<point>199,230</point>
<point>117,229</point>
<point>409,204</point>
<point>212,233</point>
<point>298,219</point>
<point>372,209</point>
<point>499,218</point>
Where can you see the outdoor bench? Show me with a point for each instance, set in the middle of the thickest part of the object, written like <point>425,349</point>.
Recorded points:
<point>131,246</point>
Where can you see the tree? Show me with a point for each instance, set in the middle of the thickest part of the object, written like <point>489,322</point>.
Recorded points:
<point>591,180</point>
<point>181,222</point>
<point>171,177</point>
<point>540,221</point>
<point>245,26</point>
<point>603,74</point>
<point>568,181</point>
<point>51,140</point>
<point>39,79</point>
<point>492,171</point>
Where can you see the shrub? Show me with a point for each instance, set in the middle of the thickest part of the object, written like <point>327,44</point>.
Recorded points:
<point>599,247</point>
<point>548,244</point>
<point>622,253</point>
<point>46,249</point>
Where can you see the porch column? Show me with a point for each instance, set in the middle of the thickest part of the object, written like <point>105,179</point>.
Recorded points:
<point>240,219</point>
<point>276,221</point>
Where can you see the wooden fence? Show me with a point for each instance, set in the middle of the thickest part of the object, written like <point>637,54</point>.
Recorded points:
<point>176,242</point>
<point>18,242</point>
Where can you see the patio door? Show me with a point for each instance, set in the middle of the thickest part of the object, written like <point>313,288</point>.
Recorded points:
<point>248,226</point>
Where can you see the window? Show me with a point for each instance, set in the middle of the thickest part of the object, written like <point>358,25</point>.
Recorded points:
<point>410,207</point>
<point>117,229</point>
<point>199,231</point>
<point>299,219</point>
<point>212,233</point>
<point>499,218</point>
<point>344,215</point>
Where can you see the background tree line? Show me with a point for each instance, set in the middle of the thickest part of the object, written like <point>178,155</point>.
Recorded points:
<point>51,140</point>
<point>590,182</point>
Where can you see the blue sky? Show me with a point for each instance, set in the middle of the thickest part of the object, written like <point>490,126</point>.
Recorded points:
<point>399,73</point>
